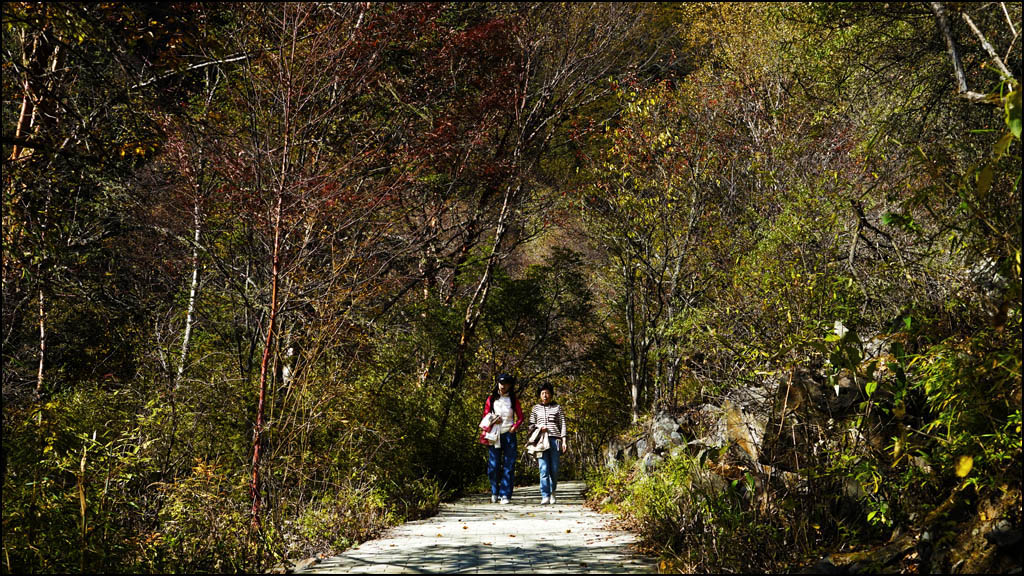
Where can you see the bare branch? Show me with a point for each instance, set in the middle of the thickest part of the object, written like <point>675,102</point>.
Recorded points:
<point>988,47</point>
<point>942,20</point>
<point>164,76</point>
<point>1009,21</point>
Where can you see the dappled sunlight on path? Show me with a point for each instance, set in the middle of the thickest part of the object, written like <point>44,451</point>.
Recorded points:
<point>473,535</point>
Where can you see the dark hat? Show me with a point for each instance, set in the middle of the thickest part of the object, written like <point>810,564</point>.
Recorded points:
<point>506,378</point>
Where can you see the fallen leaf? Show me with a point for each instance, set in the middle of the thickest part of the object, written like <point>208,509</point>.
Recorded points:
<point>567,531</point>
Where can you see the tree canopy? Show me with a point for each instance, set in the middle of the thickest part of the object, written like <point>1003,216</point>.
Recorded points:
<point>263,261</point>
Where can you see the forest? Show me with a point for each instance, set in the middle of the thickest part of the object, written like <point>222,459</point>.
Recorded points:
<point>262,263</point>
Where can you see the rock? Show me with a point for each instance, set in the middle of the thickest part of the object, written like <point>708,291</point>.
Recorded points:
<point>665,432</point>
<point>753,399</point>
<point>716,433</point>
<point>843,395</point>
<point>1003,535</point>
<point>708,482</point>
<point>696,422</point>
<point>305,563</point>
<point>612,454</point>
<point>617,451</point>
<point>649,462</point>
<point>745,430</point>
<point>987,280</point>
<point>641,447</point>
<point>875,347</point>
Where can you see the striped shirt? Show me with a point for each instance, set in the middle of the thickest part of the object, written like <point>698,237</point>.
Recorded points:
<point>549,416</point>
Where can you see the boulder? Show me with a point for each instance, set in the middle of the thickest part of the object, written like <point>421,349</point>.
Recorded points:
<point>745,430</point>
<point>713,429</point>
<point>708,482</point>
<point>649,462</point>
<point>617,451</point>
<point>665,432</point>
<point>875,347</point>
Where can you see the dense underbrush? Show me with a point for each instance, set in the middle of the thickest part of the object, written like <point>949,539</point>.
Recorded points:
<point>923,474</point>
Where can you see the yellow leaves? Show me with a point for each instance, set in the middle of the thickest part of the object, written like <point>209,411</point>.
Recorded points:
<point>136,149</point>
<point>897,450</point>
<point>964,465</point>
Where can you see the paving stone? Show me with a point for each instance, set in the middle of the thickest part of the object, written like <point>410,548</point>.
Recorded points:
<point>473,536</point>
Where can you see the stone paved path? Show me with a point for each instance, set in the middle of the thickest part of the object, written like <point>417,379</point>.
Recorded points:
<point>473,536</point>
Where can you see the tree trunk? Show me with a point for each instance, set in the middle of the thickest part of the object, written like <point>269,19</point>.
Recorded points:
<point>42,344</point>
<point>475,308</point>
<point>255,487</point>
<point>186,339</point>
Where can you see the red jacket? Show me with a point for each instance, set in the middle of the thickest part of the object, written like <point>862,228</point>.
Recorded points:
<point>517,407</point>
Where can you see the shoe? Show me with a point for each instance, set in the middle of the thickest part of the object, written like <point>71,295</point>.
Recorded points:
<point>505,500</point>
<point>494,498</point>
<point>552,498</point>
<point>544,500</point>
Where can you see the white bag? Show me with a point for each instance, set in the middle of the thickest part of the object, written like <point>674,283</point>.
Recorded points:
<point>492,433</point>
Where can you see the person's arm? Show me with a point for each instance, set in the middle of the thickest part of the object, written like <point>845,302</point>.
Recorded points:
<point>563,431</point>
<point>533,419</point>
<point>487,410</point>
<point>519,416</point>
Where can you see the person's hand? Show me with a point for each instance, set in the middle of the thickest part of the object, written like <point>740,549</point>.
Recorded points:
<point>497,419</point>
<point>563,447</point>
<point>514,428</point>
<point>543,429</point>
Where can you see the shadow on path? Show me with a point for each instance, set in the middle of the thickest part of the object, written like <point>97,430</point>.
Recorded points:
<point>472,535</point>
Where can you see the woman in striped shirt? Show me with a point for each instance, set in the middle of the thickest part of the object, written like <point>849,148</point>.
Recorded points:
<point>548,416</point>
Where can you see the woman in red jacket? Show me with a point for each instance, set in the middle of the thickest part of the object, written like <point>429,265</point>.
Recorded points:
<point>501,459</point>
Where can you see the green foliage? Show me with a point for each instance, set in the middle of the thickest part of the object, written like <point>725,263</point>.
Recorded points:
<point>972,387</point>
<point>204,521</point>
<point>73,483</point>
<point>696,519</point>
<point>647,222</point>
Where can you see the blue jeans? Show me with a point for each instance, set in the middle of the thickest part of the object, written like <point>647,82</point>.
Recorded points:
<point>501,466</point>
<point>548,463</point>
